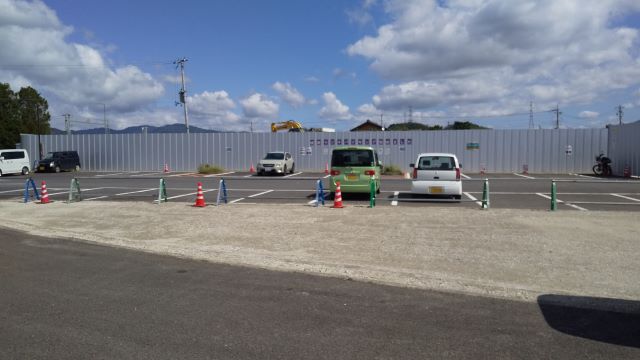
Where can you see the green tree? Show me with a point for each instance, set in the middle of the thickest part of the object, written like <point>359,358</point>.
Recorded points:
<point>412,126</point>
<point>464,125</point>
<point>23,112</point>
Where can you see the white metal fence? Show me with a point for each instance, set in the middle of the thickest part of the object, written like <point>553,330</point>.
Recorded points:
<point>624,148</point>
<point>543,151</point>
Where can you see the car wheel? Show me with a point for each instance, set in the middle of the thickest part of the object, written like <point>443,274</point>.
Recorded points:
<point>57,169</point>
<point>77,168</point>
<point>0,172</point>
<point>25,170</point>
<point>293,167</point>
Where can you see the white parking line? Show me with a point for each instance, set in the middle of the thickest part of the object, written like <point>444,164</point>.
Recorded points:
<point>95,198</point>
<point>182,174</point>
<point>134,192</point>
<point>235,201</point>
<point>465,176</point>
<point>625,197</point>
<point>473,198</point>
<point>250,175</point>
<point>147,174</point>
<point>189,194</point>
<point>326,176</point>
<point>560,202</point>
<point>395,198</point>
<point>214,175</point>
<point>262,193</point>
<point>524,176</point>
<point>586,176</point>
<point>82,190</point>
<point>8,191</point>
<point>294,174</point>
<point>120,173</point>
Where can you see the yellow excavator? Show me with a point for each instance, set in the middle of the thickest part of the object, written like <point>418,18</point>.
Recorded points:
<point>292,125</point>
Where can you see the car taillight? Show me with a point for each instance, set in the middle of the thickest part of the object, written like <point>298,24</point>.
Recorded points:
<point>370,172</point>
<point>415,173</point>
<point>335,172</point>
<point>457,174</point>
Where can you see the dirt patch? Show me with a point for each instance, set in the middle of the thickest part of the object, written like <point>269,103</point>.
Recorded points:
<point>505,253</point>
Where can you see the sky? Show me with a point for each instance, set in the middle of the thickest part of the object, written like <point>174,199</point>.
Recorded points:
<point>326,63</point>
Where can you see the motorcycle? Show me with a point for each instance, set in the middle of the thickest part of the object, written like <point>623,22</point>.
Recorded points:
<point>602,166</point>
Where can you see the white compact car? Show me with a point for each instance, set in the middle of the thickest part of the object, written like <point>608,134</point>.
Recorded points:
<point>14,161</point>
<point>437,174</point>
<point>278,162</point>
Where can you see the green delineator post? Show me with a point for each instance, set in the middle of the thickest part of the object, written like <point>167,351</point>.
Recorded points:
<point>554,199</point>
<point>74,191</point>
<point>162,192</point>
<point>485,194</point>
<point>372,193</point>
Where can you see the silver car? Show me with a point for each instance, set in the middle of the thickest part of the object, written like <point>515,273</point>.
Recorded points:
<point>278,162</point>
<point>437,174</point>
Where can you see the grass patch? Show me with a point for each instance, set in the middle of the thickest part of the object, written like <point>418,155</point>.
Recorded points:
<point>210,169</point>
<point>391,170</point>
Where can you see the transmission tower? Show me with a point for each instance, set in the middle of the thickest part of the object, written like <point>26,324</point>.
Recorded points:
<point>620,113</point>
<point>531,126</point>
<point>183,91</point>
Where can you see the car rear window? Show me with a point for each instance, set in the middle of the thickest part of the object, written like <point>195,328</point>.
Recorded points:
<point>274,156</point>
<point>436,163</point>
<point>352,157</point>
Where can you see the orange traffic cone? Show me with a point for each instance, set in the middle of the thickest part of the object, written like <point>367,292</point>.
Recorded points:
<point>337,199</point>
<point>252,169</point>
<point>166,167</point>
<point>200,197</point>
<point>45,195</point>
<point>326,168</point>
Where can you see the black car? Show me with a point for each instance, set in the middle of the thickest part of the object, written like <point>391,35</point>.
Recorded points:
<point>60,160</point>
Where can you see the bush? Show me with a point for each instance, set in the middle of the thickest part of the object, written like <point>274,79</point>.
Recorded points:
<point>209,169</point>
<point>391,170</point>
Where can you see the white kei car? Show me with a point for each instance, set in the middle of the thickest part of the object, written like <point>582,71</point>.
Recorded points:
<point>437,174</point>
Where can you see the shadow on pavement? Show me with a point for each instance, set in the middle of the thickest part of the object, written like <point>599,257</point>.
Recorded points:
<point>612,321</point>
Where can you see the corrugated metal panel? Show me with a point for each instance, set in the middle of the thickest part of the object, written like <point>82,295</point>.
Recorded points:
<point>496,150</point>
<point>624,148</point>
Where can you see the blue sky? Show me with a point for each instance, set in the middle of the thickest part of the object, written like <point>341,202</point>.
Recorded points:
<point>327,63</point>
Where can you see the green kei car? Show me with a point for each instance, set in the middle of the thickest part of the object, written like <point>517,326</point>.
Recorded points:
<point>353,167</point>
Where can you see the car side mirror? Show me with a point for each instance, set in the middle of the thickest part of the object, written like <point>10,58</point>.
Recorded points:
<point>412,165</point>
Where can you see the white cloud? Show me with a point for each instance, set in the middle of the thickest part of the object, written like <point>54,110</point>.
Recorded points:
<point>311,78</point>
<point>289,94</point>
<point>361,15</point>
<point>525,50</point>
<point>214,109</point>
<point>34,50</point>
<point>259,106</point>
<point>333,108</point>
<point>588,114</point>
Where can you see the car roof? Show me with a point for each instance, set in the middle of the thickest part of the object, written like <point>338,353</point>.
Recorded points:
<point>352,148</point>
<point>437,154</point>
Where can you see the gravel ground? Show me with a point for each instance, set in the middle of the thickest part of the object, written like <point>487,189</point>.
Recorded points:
<point>517,254</point>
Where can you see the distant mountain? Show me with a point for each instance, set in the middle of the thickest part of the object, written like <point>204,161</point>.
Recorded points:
<point>172,128</point>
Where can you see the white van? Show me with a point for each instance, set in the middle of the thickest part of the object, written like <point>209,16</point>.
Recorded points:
<point>14,161</point>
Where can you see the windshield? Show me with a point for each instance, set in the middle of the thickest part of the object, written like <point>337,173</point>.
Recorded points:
<point>353,157</point>
<point>49,155</point>
<point>436,163</point>
<point>274,156</point>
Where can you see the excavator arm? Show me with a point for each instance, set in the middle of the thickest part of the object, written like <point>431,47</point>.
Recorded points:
<point>289,124</point>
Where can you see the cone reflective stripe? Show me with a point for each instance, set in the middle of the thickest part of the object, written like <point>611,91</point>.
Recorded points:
<point>200,197</point>
<point>525,169</point>
<point>45,194</point>
<point>337,200</point>
<point>326,168</point>
<point>252,169</point>
<point>554,200</point>
<point>166,167</point>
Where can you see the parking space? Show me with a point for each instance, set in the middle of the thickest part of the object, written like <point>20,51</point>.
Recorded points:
<point>574,191</point>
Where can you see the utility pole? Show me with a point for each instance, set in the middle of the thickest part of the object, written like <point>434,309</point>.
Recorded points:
<point>251,122</point>
<point>67,123</point>
<point>381,122</point>
<point>558,112</point>
<point>531,126</point>
<point>37,108</point>
<point>410,114</point>
<point>620,113</point>
<point>183,91</point>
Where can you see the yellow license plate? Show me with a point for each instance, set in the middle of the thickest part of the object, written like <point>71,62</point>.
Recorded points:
<point>352,176</point>
<point>41,168</point>
<point>436,189</point>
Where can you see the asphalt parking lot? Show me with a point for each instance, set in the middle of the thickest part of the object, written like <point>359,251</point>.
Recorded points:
<point>576,192</point>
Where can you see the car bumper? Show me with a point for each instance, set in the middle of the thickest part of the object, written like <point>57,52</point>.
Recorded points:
<point>427,187</point>
<point>271,170</point>
<point>43,168</point>
<point>358,186</point>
